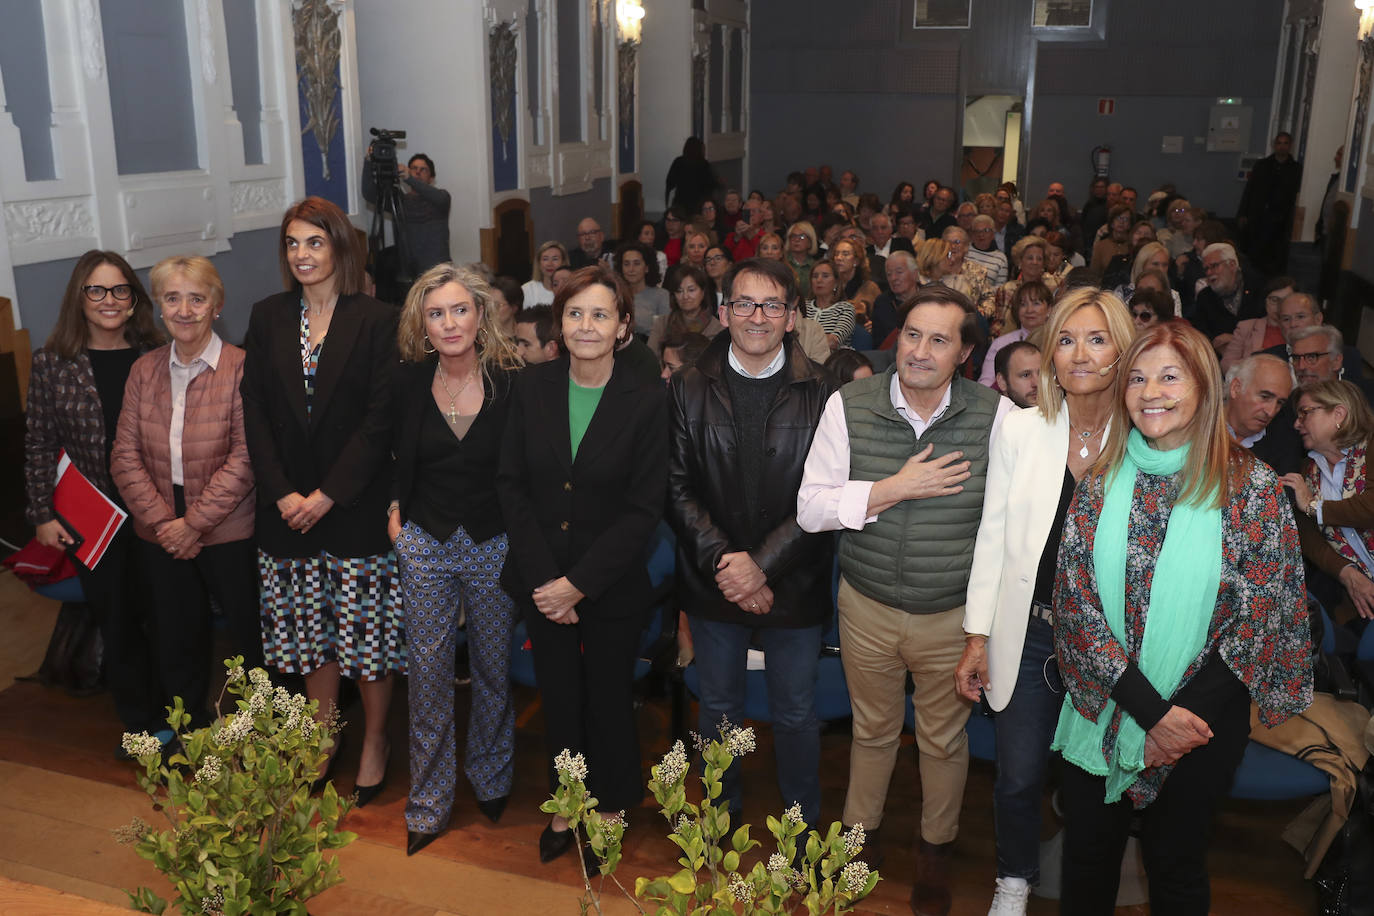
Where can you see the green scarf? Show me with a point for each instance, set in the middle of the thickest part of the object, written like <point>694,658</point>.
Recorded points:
<point>1183,596</point>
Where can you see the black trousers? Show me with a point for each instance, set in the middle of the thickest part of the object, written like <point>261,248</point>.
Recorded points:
<point>115,594</point>
<point>183,625</point>
<point>585,673</point>
<point>1175,832</point>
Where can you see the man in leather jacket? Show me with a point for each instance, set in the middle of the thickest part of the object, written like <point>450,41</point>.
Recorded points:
<point>741,422</point>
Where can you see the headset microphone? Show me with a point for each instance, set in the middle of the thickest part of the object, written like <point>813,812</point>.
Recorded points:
<point>1170,405</point>
<point>1107,369</point>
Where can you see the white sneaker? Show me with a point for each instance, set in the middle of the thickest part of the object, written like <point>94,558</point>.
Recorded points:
<point>1011,896</point>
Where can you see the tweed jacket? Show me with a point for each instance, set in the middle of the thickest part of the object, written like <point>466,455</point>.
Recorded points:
<point>64,412</point>
<point>218,478</point>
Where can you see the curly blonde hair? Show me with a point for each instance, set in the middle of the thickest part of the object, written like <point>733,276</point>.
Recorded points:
<point>494,348</point>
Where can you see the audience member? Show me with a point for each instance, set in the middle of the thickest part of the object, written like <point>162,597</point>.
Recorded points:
<point>984,253</point>
<point>636,265</point>
<point>801,254</point>
<point>1265,214</point>
<point>534,335</point>
<point>539,289</point>
<point>1229,297</point>
<point>1029,309</point>
<point>1257,335</point>
<point>592,245</point>
<point>903,278</point>
<point>681,352</point>
<point>1257,411</point>
<point>692,307</point>
<point>1017,369</point>
<point>1149,307</point>
<point>828,307</point>
<point>690,179</point>
<point>424,208</point>
<point>846,365</point>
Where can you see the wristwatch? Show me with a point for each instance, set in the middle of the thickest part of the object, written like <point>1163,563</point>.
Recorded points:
<point>1314,506</point>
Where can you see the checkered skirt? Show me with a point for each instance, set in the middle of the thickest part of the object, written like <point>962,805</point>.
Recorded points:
<point>322,609</point>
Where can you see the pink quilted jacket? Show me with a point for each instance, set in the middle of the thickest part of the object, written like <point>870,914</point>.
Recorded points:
<point>214,455</point>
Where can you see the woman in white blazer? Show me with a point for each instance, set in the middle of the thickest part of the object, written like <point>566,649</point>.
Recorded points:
<point>1008,618</point>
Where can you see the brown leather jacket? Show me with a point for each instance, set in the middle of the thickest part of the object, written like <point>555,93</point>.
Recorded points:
<point>214,454</point>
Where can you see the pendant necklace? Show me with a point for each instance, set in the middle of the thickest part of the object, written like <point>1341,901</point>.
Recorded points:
<point>452,414</point>
<point>1086,437</point>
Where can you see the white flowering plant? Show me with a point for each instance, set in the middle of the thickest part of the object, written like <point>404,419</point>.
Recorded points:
<point>821,876</point>
<point>244,834</point>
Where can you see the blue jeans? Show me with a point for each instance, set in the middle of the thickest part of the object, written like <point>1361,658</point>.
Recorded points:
<point>1024,731</point>
<point>792,657</point>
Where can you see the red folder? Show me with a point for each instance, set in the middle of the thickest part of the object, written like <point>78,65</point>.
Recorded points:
<point>88,514</point>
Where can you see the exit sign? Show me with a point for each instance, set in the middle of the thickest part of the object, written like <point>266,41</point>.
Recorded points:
<point>1106,106</point>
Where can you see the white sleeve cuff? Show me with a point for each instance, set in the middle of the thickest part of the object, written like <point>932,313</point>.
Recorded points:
<point>854,504</point>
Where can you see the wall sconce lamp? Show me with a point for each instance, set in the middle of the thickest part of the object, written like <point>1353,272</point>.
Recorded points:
<point>629,16</point>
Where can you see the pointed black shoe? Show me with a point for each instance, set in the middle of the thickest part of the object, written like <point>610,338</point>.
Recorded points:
<point>553,843</point>
<point>369,793</point>
<point>415,840</point>
<point>493,808</point>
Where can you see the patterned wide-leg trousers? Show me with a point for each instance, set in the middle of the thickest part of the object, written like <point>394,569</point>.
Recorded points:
<point>437,579</point>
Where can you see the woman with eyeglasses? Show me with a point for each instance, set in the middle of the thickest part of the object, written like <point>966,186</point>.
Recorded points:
<point>718,260</point>
<point>1337,520</point>
<point>692,307</point>
<point>1179,608</point>
<point>76,392</point>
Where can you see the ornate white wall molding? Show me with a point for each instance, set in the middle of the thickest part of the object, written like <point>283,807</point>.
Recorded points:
<point>259,196</point>
<point>207,42</point>
<point>33,221</point>
<point>92,40</point>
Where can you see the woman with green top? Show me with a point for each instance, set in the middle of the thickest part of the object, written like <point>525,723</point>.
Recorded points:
<point>582,484</point>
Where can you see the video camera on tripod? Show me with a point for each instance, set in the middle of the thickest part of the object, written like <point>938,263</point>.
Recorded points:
<point>390,264</point>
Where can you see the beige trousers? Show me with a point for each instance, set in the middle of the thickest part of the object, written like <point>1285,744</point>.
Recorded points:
<point>879,645</point>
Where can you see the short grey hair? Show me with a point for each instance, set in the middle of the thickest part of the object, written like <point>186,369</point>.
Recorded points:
<point>983,221</point>
<point>904,257</point>
<point>1306,297</point>
<point>952,230</point>
<point>1245,369</point>
<point>1335,342</point>
<point>967,203</point>
<point>1224,249</point>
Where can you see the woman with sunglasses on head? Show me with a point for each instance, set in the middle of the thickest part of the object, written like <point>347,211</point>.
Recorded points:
<point>76,392</point>
<point>1179,606</point>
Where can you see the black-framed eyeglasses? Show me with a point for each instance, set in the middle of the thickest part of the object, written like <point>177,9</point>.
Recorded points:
<point>745,308</point>
<point>713,258</point>
<point>96,293</point>
<point>1307,359</point>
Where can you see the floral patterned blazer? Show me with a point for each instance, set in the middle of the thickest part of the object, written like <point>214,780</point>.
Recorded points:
<point>1259,628</point>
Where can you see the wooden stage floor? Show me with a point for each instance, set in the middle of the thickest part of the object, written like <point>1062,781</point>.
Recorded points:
<point>63,793</point>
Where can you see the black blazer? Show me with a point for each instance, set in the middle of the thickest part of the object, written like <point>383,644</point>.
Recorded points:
<point>344,446</point>
<point>479,452</point>
<point>589,519</point>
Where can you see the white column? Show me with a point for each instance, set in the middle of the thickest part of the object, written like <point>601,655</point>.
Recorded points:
<point>665,95</point>
<point>1331,102</point>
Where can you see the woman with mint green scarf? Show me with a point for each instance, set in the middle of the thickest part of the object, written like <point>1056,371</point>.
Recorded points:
<point>1179,600</point>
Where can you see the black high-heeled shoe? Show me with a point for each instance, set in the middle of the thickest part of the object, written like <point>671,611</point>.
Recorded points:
<point>317,786</point>
<point>553,843</point>
<point>415,840</point>
<point>370,793</point>
<point>493,807</point>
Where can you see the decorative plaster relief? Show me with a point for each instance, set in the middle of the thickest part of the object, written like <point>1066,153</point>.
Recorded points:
<point>256,196</point>
<point>92,41</point>
<point>207,43</point>
<point>30,221</point>
<point>503,58</point>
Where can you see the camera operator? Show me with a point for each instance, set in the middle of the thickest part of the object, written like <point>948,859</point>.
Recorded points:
<point>424,206</point>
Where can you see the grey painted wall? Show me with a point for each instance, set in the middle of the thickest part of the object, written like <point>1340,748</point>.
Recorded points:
<point>557,217</point>
<point>249,271</point>
<point>24,66</point>
<point>1067,127</point>
<point>887,101</point>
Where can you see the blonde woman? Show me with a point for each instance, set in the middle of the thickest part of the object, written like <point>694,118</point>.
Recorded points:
<point>450,538</point>
<point>801,255</point>
<point>549,257</point>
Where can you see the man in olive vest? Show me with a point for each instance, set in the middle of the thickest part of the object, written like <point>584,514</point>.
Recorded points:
<point>898,467</point>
